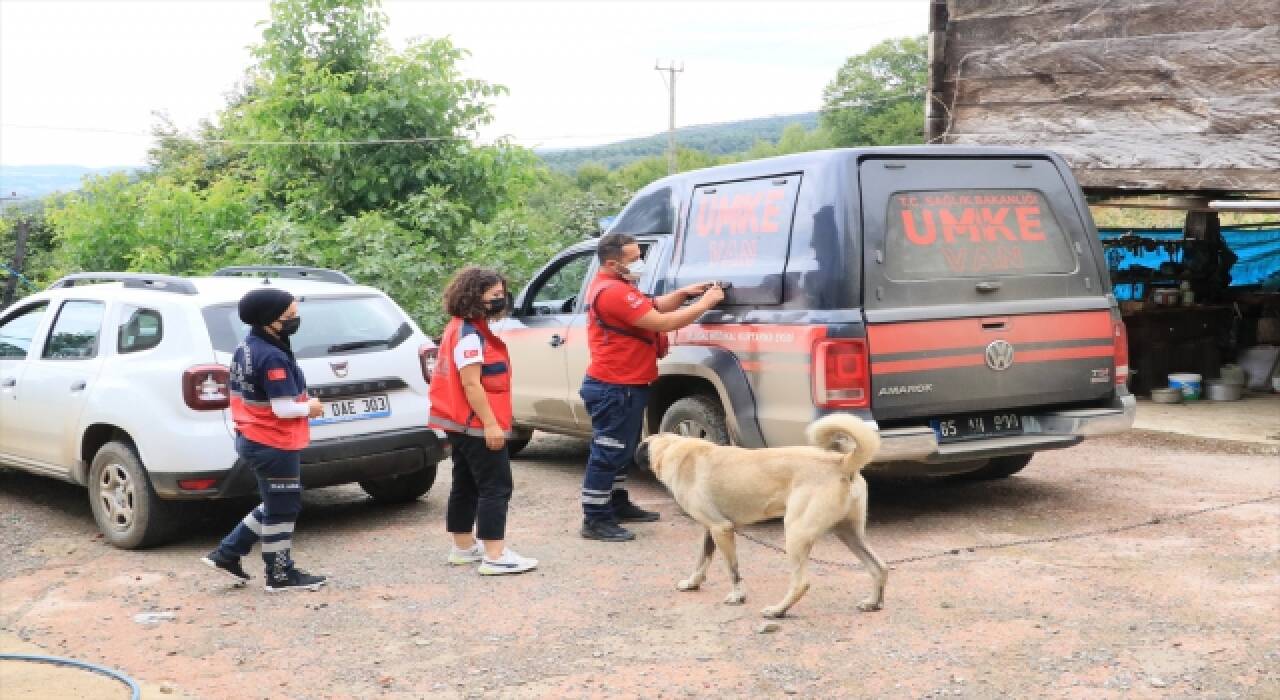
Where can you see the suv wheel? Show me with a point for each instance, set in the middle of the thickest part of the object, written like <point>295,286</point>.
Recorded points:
<point>127,510</point>
<point>999,468</point>
<point>402,488</point>
<point>696,416</point>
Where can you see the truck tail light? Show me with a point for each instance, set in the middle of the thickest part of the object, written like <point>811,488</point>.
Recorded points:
<point>207,387</point>
<point>427,357</point>
<point>1121,352</point>
<point>841,378</point>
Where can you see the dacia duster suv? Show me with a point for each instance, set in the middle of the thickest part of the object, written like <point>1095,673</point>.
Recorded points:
<point>957,298</point>
<point>119,382</point>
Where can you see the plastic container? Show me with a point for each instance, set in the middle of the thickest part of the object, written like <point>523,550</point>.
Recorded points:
<point>1166,395</point>
<point>1233,374</point>
<point>1187,383</point>
<point>1218,390</point>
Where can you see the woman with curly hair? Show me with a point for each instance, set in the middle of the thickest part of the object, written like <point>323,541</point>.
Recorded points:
<point>471,401</point>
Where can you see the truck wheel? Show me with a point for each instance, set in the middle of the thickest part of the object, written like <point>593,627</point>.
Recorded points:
<point>128,511</point>
<point>401,488</point>
<point>696,416</point>
<point>999,468</point>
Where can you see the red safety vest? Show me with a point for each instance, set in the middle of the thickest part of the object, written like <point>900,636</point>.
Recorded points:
<point>620,354</point>
<point>450,410</point>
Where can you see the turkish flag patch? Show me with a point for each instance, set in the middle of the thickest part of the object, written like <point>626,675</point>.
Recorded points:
<point>277,374</point>
<point>468,354</point>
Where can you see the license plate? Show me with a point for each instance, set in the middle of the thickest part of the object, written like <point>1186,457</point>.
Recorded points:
<point>977,426</point>
<point>359,408</point>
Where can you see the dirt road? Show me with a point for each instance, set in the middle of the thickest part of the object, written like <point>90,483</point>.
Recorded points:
<point>1186,606</point>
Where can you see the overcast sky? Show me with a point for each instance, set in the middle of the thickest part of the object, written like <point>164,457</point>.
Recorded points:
<point>89,74</point>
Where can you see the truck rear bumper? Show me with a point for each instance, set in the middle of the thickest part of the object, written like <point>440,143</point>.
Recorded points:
<point>1041,431</point>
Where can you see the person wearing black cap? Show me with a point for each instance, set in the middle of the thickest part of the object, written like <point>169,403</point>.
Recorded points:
<point>270,407</point>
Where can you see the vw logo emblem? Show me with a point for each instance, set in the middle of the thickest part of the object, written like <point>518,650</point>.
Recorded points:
<point>999,355</point>
<point>340,368</point>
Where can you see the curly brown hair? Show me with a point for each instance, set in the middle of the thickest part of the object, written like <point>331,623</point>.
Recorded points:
<point>462,296</point>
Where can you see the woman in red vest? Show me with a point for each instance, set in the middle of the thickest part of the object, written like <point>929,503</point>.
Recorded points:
<point>471,401</point>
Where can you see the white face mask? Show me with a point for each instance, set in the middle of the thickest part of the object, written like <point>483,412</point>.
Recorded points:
<point>635,270</point>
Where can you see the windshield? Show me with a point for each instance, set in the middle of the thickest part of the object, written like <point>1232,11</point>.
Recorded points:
<point>330,325</point>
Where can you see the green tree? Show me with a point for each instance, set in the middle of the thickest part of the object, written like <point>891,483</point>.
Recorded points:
<point>155,225</point>
<point>877,98</point>
<point>325,77</point>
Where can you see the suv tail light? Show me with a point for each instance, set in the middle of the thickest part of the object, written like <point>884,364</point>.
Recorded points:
<point>840,374</point>
<point>197,484</point>
<point>207,387</point>
<point>1121,353</point>
<point>427,357</point>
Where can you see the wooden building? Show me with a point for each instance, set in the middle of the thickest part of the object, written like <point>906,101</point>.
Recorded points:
<point>1140,96</point>
<point>1174,98</point>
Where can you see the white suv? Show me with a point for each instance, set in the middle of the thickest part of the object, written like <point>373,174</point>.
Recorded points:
<point>118,382</point>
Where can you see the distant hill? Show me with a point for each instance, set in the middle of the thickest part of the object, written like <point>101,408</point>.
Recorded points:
<point>718,139</point>
<point>33,181</point>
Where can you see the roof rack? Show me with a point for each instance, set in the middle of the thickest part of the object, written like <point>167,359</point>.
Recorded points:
<point>132,280</point>
<point>289,271</point>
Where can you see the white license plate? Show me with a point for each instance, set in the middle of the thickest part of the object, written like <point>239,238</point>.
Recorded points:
<point>359,408</point>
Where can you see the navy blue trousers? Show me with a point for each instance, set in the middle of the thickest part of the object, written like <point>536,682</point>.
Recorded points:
<point>617,418</point>
<point>279,474</point>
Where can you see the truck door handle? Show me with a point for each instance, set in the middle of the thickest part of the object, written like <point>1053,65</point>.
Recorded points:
<point>79,385</point>
<point>988,286</point>
<point>8,382</point>
<point>556,341</point>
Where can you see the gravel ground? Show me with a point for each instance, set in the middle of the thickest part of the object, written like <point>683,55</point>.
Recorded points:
<point>1145,602</point>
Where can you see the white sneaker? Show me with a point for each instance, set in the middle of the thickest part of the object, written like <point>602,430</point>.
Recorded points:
<point>508,563</point>
<point>462,557</point>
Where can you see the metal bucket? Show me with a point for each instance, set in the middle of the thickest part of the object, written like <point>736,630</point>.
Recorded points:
<point>1219,390</point>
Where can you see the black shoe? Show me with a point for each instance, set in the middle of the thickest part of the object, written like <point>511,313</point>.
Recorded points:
<point>628,512</point>
<point>228,565</point>
<point>295,580</point>
<point>606,531</point>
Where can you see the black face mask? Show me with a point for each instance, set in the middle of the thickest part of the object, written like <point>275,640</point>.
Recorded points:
<point>495,306</point>
<point>289,326</point>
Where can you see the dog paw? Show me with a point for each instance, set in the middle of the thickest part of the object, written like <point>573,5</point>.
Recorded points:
<point>773,612</point>
<point>869,605</point>
<point>735,599</point>
<point>688,585</point>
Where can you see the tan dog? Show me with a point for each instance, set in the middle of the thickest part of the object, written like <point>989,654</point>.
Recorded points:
<point>814,490</point>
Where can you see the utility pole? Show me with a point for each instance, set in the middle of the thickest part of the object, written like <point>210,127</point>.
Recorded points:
<point>19,254</point>
<point>671,120</point>
<point>22,230</point>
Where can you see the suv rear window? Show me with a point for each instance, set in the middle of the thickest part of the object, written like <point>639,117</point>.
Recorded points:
<point>330,325</point>
<point>939,234</point>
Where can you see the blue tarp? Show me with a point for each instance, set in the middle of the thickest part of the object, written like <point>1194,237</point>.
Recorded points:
<point>1257,250</point>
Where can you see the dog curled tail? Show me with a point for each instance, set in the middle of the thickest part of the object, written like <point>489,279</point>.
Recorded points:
<point>835,432</point>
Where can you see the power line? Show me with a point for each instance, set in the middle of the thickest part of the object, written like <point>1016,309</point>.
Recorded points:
<point>919,92</point>
<point>238,142</point>
<point>854,104</point>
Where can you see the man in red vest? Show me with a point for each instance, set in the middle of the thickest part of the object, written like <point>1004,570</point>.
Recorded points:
<point>627,333</point>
